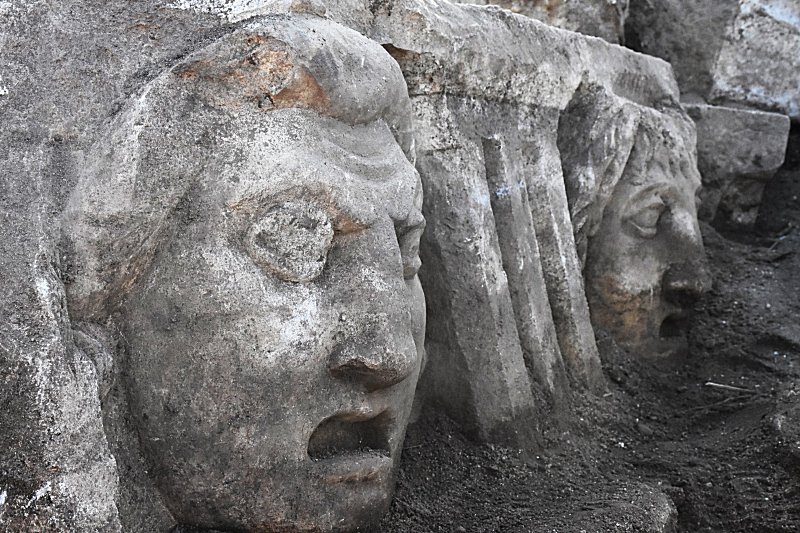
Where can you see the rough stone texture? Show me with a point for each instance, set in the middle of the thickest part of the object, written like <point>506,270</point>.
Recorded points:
<point>687,34</point>
<point>598,18</point>
<point>738,151</point>
<point>71,74</point>
<point>488,88</point>
<point>251,213</point>
<point>477,365</point>
<point>57,472</point>
<point>632,181</point>
<point>104,421</point>
<point>725,51</point>
<point>759,62</point>
<point>354,14</point>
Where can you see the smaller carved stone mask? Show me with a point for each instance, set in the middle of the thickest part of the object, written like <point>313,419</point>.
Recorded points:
<point>632,181</point>
<point>252,228</point>
<point>645,264</point>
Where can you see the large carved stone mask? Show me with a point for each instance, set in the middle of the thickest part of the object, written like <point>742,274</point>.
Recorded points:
<point>633,188</point>
<point>251,227</point>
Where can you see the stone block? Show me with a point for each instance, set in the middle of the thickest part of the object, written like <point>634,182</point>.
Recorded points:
<point>687,34</point>
<point>598,18</point>
<point>759,62</point>
<point>744,53</point>
<point>738,151</point>
<point>476,368</point>
<point>504,86</point>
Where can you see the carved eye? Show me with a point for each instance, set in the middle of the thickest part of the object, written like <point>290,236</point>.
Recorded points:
<point>408,237</point>
<point>644,220</point>
<point>291,240</point>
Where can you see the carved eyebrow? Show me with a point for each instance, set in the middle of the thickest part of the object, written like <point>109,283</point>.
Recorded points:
<point>257,203</point>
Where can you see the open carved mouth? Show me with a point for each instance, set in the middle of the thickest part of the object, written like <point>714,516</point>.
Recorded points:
<point>352,448</point>
<point>674,326</point>
<point>350,434</point>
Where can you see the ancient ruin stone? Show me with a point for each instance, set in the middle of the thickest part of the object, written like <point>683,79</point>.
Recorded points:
<point>211,315</point>
<point>487,119</point>
<point>636,216</point>
<point>738,152</point>
<point>474,332</point>
<point>759,62</point>
<point>599,18</point>
<point>725,51</point>
<point>193,367</point>
<point>687,34</point>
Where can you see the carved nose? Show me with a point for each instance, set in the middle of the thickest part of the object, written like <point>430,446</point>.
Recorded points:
<point>684,283</point>
<point>376,358</point>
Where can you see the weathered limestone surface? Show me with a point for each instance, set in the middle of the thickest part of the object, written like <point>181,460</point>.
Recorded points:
<point>56,469</point>
<point>72,101</point>
<point>468,243</point>
<point>738,152</point>
<point>725,51</point>
<point>687,34</point>
<point>759,62</point>
<point>488,88</point>
<point>632,180</point>
<point>127,249</point>
<point>598,18</point>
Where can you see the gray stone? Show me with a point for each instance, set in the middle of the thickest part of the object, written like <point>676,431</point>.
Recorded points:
<point>487,110</point>
<point>166,312</point>
<point>632,181</point>
<point>210,311</point>
<point>687,34</point>
<point>738,152</point>
<point>272,344</point>
<point>476,370</point>
<point>744,53</point>
<point>598,18</point>
<point>759,62</point>
<point>511,57</point>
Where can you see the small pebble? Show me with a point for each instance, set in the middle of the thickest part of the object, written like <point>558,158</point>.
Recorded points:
<point>644,429</point>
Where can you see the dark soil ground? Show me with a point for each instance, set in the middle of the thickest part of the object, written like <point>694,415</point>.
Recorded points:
<point>708,443</point>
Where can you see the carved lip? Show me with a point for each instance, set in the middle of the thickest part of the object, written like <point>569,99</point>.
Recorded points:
<point>673,333</point>
<point>674,325</point>
<point>352,447</point>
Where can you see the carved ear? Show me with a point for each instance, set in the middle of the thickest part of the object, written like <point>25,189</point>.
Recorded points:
<point>596,133</point>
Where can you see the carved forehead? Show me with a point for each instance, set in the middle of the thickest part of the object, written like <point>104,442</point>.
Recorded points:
<point>665,141</point>
<point>299,62</point>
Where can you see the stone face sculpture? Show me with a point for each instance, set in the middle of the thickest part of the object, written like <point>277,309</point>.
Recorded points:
<point>635,219</point>
<point>248,232</point>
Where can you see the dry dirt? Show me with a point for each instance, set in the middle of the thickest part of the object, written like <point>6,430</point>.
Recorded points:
<point>717,432</point>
